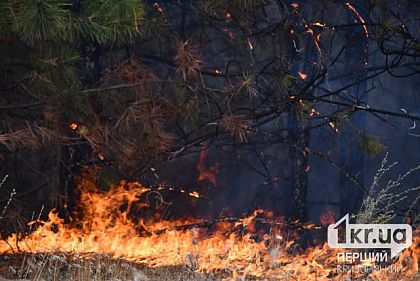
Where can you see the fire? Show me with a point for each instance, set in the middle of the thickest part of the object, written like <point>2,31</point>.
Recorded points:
<point>313,112</point>
<point>250,46</point>
<point>302,75</point>
<point>361,19</point>
<point>328,217</point>
<point>194,194</point>
<point>320,24</point>
<point>73,126</point>
<point>158,7</point>
<point>108,223</point>
<point>316,39</point>
<point>204,173</point>
<point>333,126</point>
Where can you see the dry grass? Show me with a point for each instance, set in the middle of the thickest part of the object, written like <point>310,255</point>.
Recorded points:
<point>63,267</point>
<point>378,204</point>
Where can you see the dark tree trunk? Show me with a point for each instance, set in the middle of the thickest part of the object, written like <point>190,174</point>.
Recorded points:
<point>299,160</point>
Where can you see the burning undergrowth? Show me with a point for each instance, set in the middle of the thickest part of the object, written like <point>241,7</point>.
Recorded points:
<point>111,223</point>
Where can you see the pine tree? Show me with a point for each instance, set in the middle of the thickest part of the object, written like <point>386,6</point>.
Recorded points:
<point>42,42</point>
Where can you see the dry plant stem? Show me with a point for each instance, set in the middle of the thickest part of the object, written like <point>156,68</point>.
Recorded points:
<point>13,193</point>
<point>378,203</point>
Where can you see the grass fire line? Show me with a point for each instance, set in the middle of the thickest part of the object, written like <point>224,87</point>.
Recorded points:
<point>231,246</point>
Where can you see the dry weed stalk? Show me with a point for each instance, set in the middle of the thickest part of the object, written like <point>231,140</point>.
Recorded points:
<point>64,267</point>
<point>13,193</point>
<point>377,206</point>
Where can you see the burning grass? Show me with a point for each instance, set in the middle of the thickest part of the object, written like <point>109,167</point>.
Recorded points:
<point>106,240</point>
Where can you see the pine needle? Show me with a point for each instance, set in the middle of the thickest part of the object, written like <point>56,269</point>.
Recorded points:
<point>371,144</point>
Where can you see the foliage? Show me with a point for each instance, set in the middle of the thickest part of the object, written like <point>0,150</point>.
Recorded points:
<point>131,84</point>
<point>41,49</point>
<point>371,144</point>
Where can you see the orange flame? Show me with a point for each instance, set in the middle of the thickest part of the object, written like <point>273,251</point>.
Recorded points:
<point>328,217</point>
<point>204,173</point>
<point>105,225</point>
<point>361,19</point>
<point>302,75</point>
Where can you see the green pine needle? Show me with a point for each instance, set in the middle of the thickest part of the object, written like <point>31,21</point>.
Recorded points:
<point>371,144</point>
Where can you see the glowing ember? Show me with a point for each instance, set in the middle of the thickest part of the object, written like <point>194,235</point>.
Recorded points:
<point>158,7</point>
<point>294,5</point>
<point>361,19</point>
<point>250,44</point>
<point>333,126</point>
<point>316,39</point>
<point>302,75</point>
<point>194,194</point>
<point>320,24</point>
<point>313,112</point>
<point>73,126</point>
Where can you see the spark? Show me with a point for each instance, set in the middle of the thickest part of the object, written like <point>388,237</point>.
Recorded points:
<point>320,24</point>
<point>251,47</point>
<point>332,125</point>
<point>73,126</point>
<point>158,7</point>
<point>194,194</point>
<point>313,112</point>
<point>302,75</point>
